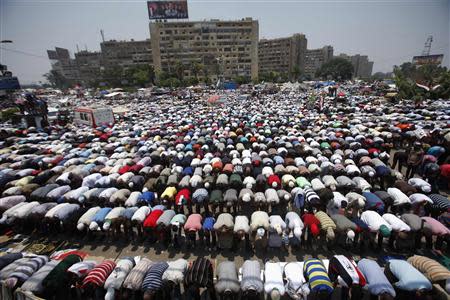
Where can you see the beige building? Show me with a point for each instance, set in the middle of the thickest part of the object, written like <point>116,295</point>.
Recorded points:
<point>126,53</point>
<point>315,58</point>
<point>362,67</point>
<point>228,48</point>
<point>283,55</point>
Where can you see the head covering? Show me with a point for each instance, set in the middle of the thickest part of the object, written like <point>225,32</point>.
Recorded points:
<point>260,232</point>
<point>385,231</point>
<point>275,294</point>
<point>350,236</point>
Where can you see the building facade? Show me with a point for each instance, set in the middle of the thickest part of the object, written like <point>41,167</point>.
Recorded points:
<point>126,53</point>
<point>315,58</point>
<point>221,48</point>
<point>283,55</point>
<point>62,63</point>
<point>362,67</point>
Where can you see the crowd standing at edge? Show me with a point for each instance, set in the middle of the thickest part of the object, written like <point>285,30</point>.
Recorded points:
<point>255,175</point>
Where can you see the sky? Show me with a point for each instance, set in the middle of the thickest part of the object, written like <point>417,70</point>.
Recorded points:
<point>390,32</point>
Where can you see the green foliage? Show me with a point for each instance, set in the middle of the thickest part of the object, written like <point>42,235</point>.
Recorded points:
<point>295,74</point>
<point>336,69</point>
<point>270,77</point>
<point>241,79</point>
<point>407,75</point>
<point>8,113</point>
<point>57,80</point>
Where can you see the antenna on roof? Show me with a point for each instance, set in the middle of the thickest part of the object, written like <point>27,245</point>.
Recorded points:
<point>85,47</point>
<point>78,48</point>
<point>102,34</point>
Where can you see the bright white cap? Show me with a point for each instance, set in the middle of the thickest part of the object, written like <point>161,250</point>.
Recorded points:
<point>93,226</point>
<point>274,184</point>
<point>351,235</point>
<point>361,203</point>
<point>246,198</point>
<point>291,184</point>
<point>81,226</point>
<point>260,232</point>
<point>207,185</point>
<point>106,226</point>
<point>131,184</point>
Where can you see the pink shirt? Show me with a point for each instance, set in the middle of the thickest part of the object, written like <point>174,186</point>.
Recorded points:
<point>436,227</point>
<point>193,223</point>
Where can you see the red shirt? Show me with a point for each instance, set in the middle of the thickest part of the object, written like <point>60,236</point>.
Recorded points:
<point>186,194</point>
<point>124,169</point>
<point>135,169</point>
<point>445,170</point>
<point>150,221</point>
<point>309,219</point>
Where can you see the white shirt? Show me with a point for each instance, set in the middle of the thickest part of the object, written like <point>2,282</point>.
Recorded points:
<point>273,274</point>
<point>419,198</point>
<point>398,196</point>
<point>141,214</point>
<point>374,220</point>
<point>396,223</point>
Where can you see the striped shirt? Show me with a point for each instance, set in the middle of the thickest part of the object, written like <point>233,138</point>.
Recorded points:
<point>311,197</point>
<point>136,276</point>
<point>98,275</point>
<point>440,202</point>
<point>153,278</point>
<point>317,276</point>
<point>25,270</point>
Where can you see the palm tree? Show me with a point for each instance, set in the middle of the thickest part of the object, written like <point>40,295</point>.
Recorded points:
<point>197,69</point>
<point>179,70</point>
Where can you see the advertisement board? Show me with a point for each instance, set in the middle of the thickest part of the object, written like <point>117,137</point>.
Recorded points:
<point>167,9</point>
<point>435,59</point>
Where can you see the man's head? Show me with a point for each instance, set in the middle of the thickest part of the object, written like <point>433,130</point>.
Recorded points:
<point>385,231</point>
<point>275,294</point>
<point>148,295</point>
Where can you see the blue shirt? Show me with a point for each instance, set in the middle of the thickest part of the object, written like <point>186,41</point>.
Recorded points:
<point>129,212</point>
<point>101,215</point>
<point>373,201</point>
<point>409,278</point>
<point>377,282</point>
<point>208,223</point>
<point>148,197</point>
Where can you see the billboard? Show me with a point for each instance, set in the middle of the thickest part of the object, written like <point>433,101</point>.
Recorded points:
<point>167,9</point>
<point>435,59</point>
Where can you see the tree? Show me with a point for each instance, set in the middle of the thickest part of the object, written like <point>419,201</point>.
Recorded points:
<point>57,80</point>
<point>436,78</point>
<point>337,68</point>
<point>241,79</point>
<point>179,70</point>
<point>295,74</point>
<point>197,69</point>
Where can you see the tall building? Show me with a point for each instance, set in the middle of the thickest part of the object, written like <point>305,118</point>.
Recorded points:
<point>126,53</point>
<point>62,63</point>
<point>362,67</point>
<point>282,55</point>
<point>223,48</point>
<point>89,65</point>
<point>315,58</point>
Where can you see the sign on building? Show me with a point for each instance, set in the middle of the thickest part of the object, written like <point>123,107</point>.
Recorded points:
<point>435,59</point>
<point>167,9</point>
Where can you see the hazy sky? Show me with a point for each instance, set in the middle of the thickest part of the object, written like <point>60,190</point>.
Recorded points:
<point>388,31</point>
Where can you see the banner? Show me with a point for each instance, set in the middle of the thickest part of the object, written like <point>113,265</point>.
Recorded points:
<point>170,9</point>
<point>428,59</point>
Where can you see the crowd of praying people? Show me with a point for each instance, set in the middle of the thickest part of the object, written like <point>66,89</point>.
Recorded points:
<point>255,175</point>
